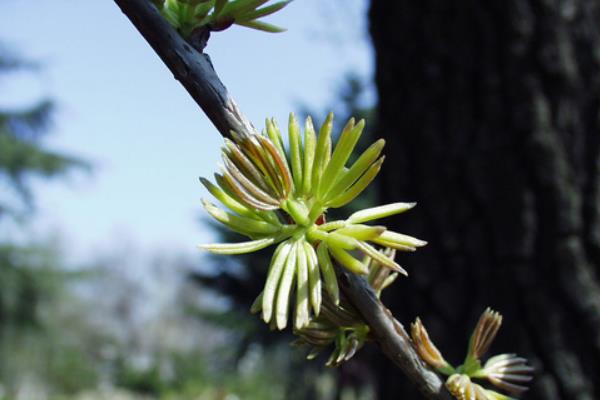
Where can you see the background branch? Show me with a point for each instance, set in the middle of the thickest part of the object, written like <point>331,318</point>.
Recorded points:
<point>193,69</point>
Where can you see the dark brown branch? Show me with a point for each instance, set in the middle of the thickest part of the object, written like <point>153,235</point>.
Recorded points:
<point>190,67</point>
<point>391,336</point>
<point>195,72</point>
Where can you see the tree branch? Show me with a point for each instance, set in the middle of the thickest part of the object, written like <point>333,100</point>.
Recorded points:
<point>195,72</point>
<point>391,336</point>
<point>190,67</point>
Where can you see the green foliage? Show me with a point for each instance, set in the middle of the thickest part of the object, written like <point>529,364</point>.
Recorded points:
<point>28,279</point>
<point>23,283</point>
<point>35,308</point>
<point>217,15</point>
<point>341,325</point>
<point>278,196</point>
<point>191,376</point>
<point>33,285</point>
<point>241,278</point>
<point>22,153</point>
<point>351,100</point>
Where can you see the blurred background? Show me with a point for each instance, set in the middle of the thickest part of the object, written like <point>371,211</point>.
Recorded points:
<point>490,112</point>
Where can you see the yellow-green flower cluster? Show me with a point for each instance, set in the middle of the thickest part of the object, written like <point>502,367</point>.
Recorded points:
<point>278,196</point>
<point>505,371</point>
<point>216,15</point>
<point>342,325</point>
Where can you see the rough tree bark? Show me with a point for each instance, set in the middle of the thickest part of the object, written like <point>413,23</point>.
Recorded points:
<point>491,109</point>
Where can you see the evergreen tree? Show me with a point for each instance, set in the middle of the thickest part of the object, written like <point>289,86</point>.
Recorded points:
<point>31,275</point>
<point>23,154</point>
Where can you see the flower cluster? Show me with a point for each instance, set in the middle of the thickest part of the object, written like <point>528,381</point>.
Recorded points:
<point>278,196</point>
<point>216,15</point>
<point>505,371</point>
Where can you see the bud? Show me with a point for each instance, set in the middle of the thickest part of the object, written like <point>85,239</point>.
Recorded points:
<point>275,196</point>
<point>426,349</point>
<point>508,372</point>
<point>216,15</point>
<point>462,388</point>
<point>484,334</point>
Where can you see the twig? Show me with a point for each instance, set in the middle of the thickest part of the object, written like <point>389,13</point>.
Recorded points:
<point>193,69</point>
<point>190,67</point>
<point>391,336</point>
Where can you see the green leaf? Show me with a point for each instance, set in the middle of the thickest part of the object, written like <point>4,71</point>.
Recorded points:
<point>273,278</point>
<point>390,239</point>
<point>219,5</point>
<point>329,278</point>
<point>237,205</point>
<point>295,151</point>
<point>389,280</point>
<point>373,213</point>
<point>284,177</point>
<point>172,17</point>
<point>238,248</point>
<point>362,232</point>
<point>253,148</point>
<point>314,278</point>
<point>202,9</point>
<point>335,239</point>
<point>256,306</point>
<point>284,290</point>
<point>380,257</point>
<point>239,7</point>
<point>263,12</point>
<point>302,296</point>
<point>244,164</point>
<point>358,187</point>
<point>358,168</point>
<point>243,194</point>
<point>298,211</point>
<point>310,142</point>
<point>349,262</point>
<point>251,187</point>
<point>333,225</point>
<point>233,188</point>
<point>227,200</point>
<point>322,150</point>
<point>275,135</point>
<point>248,226</point>
<point>341,153</point>
<point>262,26</point>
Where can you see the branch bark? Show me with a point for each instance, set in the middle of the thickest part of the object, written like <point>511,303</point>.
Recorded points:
<point>193,69</point>
<point>391,336</point>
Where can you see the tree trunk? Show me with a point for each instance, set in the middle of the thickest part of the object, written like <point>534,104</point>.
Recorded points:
<point>491,112</point>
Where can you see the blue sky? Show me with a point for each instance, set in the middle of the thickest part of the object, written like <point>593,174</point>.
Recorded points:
<point>120,108</point>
